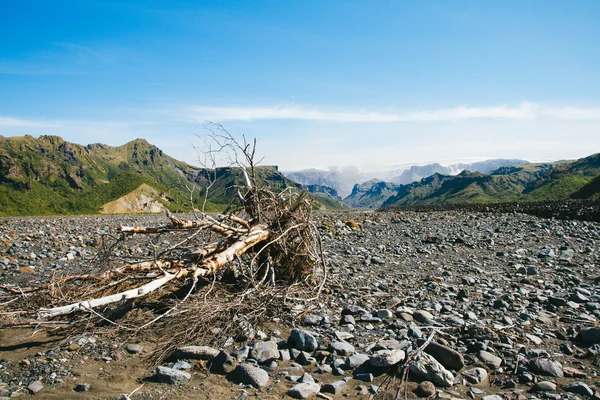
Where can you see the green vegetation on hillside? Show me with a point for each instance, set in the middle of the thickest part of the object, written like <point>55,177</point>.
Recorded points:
<point>47,175</point>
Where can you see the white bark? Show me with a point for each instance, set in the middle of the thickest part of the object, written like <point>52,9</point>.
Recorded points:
<point>93,303</point>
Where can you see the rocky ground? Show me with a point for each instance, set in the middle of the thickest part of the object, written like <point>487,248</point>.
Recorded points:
<point>509,302</point>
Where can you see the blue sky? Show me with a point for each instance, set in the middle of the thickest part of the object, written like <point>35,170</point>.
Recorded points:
<point>328,82</point>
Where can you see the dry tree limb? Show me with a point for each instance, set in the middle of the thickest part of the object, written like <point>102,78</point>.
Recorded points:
<point>268,238</point>
<point>93,303</point>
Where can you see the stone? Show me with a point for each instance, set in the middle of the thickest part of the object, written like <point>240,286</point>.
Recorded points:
<point>385,314</point>
<point>355,361</point>
<point>250,375</point>
<point>426,389</point>
<point>195,353</point>
<point>490,359</point>
<point>35,386</point>
<point>492,397</point>
<point>534,339</point>
<point>302,340</point>
<point>387,358</point>
<point>264,351</point>
<point>544,386</point>
<point>172,376</point>
<point>342,348</point>
<point>182,365</point>
<point>475,375</point>
<point>312,319</point>
<point>83,387</point>
<point>364,377</point>
<point>547,367</point>
<point>74,347</point>
<point>422,316</point>
<point>223,364</point>
<point>449,358</point>
<point>579,388</point>
<point>307,388</point>
<point>133,348</point>
<point>546,252</point>
<point>336,387</point>
<point>427,368</point>
<point>589,335</point>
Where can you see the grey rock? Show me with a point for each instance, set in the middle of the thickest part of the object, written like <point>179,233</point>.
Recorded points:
<point>355,361</point>
<point>422,316</point>
<point>427,367</point>
<point>385,314</point>
<point>302,340</point>
<point>547,367</point>
<point>264,351</point>
<point>312,319</point>
<point>446,356</point>
<point>134,348</point>
<point>182,365</point>
<point>336,387</point>
<point>492,397</point>
<point>250,375</point>
<point>475,375</point>
<point>172,376</point>
<point>579,388</point>
<point>306,389</point>
<point>195,353</point>
<point>544,386</point>
<point>387,358</point>
<point>35,386</point>
<point>546,252</point>
<point>342,348</point>
<point>490,359</point>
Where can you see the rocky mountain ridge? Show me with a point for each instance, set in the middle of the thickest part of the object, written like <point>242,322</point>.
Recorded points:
<point>48,175</point>
<point>343,179</point>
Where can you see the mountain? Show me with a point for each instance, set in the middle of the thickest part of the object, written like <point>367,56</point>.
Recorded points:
<point>529,182</point>
<point>371,194</point>
<point>48,175</point>
<point>144,199</point>
<point>343,179</point>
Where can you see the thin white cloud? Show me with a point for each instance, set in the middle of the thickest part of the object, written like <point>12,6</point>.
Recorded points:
<point>525,110</point>
<point>12,122</point>
<point>207,113</point>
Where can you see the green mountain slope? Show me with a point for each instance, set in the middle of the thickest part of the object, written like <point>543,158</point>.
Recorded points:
<point>371,194</point>
<point>47,175</point>
<point>504,184</point>
<point>529,182</point>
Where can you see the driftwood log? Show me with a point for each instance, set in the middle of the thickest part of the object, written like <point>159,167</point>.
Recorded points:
<point>268,240</point>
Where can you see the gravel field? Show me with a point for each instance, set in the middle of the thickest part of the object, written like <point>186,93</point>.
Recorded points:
<point>510,302</point>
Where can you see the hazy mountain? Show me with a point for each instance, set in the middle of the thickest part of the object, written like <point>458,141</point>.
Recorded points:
<point>529,182</point>
<point>371,194</point>
<point>343,179</point>
<point>48,175</point>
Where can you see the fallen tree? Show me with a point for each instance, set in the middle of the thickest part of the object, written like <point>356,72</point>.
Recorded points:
<point>265,245</point>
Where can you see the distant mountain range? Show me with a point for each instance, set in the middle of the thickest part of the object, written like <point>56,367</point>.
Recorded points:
<point>578,179</point>
<point>48,175</point>
<point>343,179</point>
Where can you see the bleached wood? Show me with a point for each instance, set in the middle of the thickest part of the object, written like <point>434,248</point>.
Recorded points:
<point>93,303</point>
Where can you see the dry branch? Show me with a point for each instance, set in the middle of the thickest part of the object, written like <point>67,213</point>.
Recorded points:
<point>268,239</point>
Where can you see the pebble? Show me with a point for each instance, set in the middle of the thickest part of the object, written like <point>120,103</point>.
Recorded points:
<point>426,389</point>
<point>172,376</point>
<point>250,375</point>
